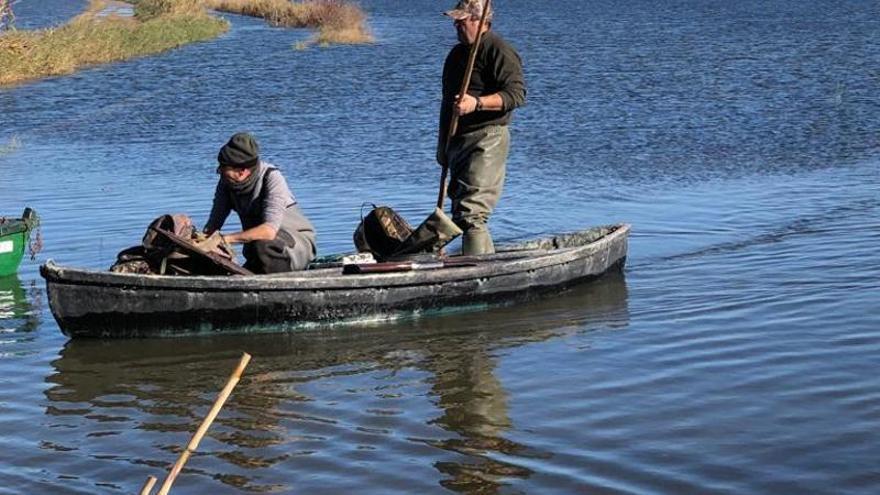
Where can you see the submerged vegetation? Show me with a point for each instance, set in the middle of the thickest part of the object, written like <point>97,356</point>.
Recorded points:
<point>101,35</point>
<point>337,21</point>
<point>97,36</point>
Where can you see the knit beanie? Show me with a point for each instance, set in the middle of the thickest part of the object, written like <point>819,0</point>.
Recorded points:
<point>242,151</point>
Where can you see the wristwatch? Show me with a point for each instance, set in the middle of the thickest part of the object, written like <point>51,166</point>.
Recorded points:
<point>479,106</point>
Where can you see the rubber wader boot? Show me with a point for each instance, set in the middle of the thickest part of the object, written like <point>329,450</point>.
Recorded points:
<point>477,242</point>
<point>435,232</point>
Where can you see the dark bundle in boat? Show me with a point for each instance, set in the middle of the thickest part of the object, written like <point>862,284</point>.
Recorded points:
<point>173,246</point>
<point>387,235</point>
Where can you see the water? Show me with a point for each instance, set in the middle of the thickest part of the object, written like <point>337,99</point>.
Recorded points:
<point>736,355</point>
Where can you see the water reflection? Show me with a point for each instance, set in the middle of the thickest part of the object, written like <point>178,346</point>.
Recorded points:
<point>475,406</point>
<point>17,314</point>
<point>321,401</point>
<point>472,397</point>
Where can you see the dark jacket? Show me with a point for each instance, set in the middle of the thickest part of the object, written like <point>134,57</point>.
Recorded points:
<point>497,69</point>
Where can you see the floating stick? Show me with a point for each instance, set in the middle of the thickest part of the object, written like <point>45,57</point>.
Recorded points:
<point>148,486</point>
<point>206,423</point>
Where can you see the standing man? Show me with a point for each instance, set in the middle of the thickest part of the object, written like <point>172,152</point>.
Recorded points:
<point>476,155</point>
<point>277,236</point>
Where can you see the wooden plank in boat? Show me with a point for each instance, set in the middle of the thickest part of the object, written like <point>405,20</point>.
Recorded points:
<point>191,249</point>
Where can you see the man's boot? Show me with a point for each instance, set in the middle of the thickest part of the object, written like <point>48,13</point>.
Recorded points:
<point>477,242</point>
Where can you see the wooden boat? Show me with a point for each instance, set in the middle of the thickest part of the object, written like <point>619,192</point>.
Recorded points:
<point>14,236</point>
<point>88,303</point>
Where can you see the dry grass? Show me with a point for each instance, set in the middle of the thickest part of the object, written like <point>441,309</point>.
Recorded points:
<point>91,39</point>
<point>150,9</point>
<point>7,16</point>
<point>337,21</point>
<point>158,25</point>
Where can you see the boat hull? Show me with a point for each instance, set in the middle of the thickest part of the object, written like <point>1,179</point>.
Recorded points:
<point>103,304</point>
<point>14,236</point>
<point>11,252</point>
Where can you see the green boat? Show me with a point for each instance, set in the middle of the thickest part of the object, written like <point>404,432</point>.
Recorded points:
<point>14,236</point>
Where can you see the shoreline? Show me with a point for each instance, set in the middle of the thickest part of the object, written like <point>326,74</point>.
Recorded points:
<point>337,21</point>
<point>112,31</point>
<point>98,36</point>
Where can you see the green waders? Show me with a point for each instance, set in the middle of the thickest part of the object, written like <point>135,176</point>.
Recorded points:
<point>477,165</point>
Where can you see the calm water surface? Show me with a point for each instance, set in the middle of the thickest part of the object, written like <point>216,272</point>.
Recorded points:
<point>737,354</point>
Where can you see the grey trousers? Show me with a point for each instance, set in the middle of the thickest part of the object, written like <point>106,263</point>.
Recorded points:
<point>477,165</point>
<point>286,253</point>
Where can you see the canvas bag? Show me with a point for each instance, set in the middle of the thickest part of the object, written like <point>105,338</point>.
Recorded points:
<point>381,232</point>
<point>435,232</point>
<point>159,256</point>
<point>385,234</point>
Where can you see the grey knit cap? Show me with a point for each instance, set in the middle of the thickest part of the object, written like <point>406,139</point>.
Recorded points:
<point>242,151</point>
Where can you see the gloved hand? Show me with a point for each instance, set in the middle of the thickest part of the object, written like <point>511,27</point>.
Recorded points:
<point>213,243</point>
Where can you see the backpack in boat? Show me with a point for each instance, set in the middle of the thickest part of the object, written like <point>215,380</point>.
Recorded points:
<point>382,232</point>
<point>386,234</point>
<point>159,255</point>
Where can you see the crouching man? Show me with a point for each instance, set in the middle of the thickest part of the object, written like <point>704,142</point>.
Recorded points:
<point>277,237</point>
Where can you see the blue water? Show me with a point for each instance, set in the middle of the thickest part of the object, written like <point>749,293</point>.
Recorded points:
<point>42,14</point>
<point>736,354</point>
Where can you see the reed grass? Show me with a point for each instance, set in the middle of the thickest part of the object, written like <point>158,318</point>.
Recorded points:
<point>94,37</point>
<point>7,16</point>
<point>151,9</point>
<point>337,21</point>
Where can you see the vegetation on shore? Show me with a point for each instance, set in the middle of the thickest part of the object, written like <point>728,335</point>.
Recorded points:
<point>100,36</point>
<point>7,16</point>
<point>337,21</point>
<point>96,36</point>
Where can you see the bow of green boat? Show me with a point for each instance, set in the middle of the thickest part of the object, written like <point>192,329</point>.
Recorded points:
<point>14,237</point>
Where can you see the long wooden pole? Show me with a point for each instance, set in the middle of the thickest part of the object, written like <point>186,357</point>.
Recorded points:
<point>194,443</point>
<point>148,486</point>
<point>465,82</point>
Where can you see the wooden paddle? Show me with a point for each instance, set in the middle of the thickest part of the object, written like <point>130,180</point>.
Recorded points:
<point>401,266</point>
<point>465,82</point>
<point>436,261</point>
